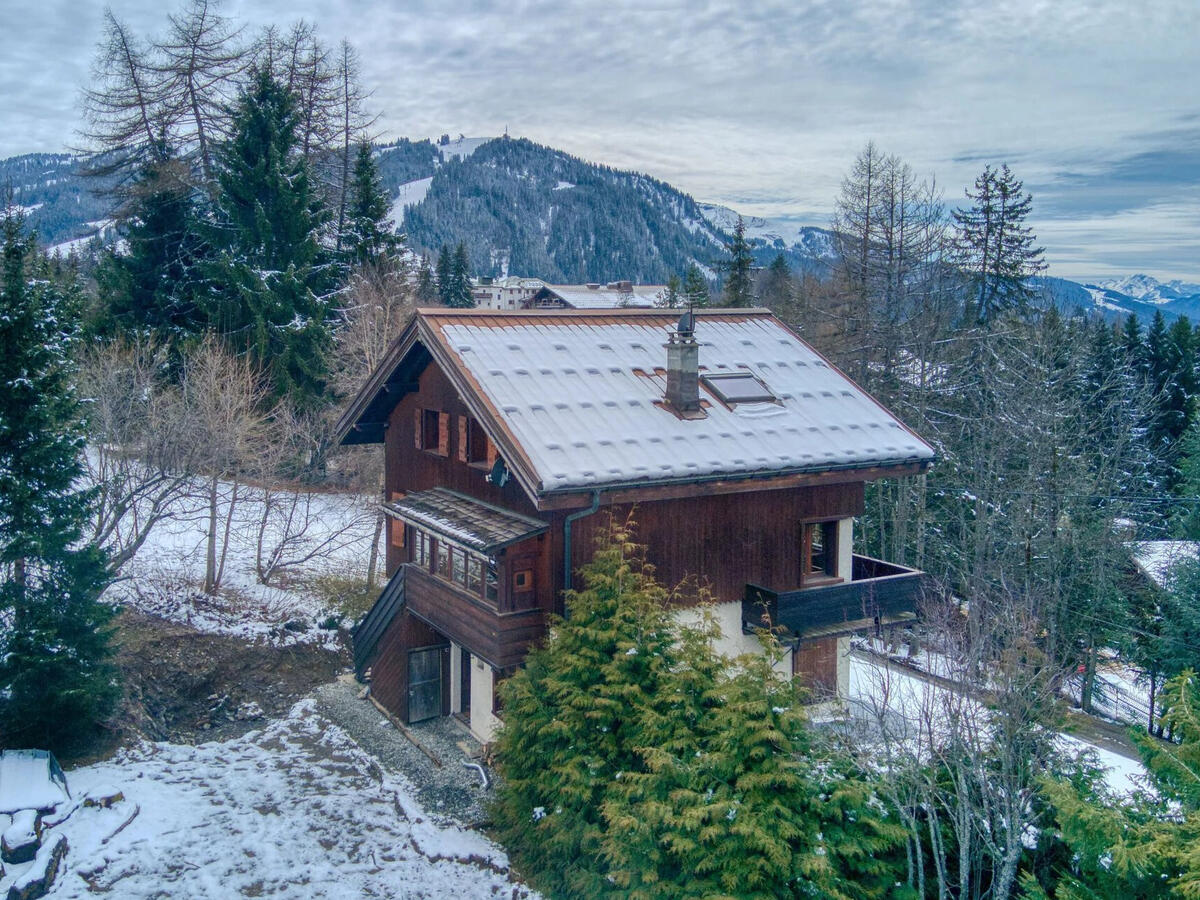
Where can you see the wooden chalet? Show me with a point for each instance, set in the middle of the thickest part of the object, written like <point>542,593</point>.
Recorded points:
<point>509,435</point>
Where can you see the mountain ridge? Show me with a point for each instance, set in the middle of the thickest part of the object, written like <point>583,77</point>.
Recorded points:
<point>527,209</point>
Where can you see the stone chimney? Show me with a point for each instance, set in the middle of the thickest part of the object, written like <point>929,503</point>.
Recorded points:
<point>683,369</point>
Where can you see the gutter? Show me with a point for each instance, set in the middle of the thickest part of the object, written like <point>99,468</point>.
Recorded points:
<point>578,514</point>
<point>760,475</point>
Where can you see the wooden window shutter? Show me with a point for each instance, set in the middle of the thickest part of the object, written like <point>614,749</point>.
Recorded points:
<point>417,415</point>
<point>463,447</point>
<point>492,455</point>
<point>444,433</point>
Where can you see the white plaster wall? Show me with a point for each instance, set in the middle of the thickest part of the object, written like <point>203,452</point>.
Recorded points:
<point>483,723</point>
<point>455,678</point>
<point>845,548</point>
<point>732,641</point>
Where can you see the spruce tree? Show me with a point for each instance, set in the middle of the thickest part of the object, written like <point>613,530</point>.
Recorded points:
<point>56,683</point>
<point>1146,845</point>
<point>150,287</point>
<point>445,275</point>
<point>371,234</point>
<point>672,296</point>
<point>427,291</point>
<point>778,288</point>
<point>695,287</point>
<point>271,278</point>
<point>734,800</point>
<point>458,294</point>
<point>739,285</point>
<point>994,246</point>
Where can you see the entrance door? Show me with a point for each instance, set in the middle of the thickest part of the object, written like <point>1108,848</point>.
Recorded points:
<point>424,684</point>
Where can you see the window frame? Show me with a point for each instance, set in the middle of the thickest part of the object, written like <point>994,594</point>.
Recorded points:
<point>712,381</point>
<point>819,567</point>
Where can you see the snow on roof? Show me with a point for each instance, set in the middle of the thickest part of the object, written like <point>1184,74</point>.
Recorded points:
<point>581,396</point>
<point>30,779</point>
<point>582,296</point>
<point>1158,559</point>
<point>464,520</point>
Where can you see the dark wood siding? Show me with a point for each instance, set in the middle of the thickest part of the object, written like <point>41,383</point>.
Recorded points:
<point>499,638</point>
<point>389,673</point>
<point>411,469</point>
<point>729,539</point>
<point>815,662</point>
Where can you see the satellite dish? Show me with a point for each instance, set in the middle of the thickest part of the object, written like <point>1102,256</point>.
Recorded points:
<point>499,473</point>
<point>687,324</point>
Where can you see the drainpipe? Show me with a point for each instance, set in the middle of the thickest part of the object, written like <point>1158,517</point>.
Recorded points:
<point>578,514</point>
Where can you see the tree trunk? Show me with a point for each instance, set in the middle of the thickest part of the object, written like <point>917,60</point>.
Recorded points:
<point>210,556</point>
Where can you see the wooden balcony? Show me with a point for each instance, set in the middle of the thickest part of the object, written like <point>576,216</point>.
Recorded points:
<point>499,638</point>
<point>879,593</point>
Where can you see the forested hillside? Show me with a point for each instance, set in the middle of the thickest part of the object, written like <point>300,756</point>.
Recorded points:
<point>526,209</point>
<point>58,200</point>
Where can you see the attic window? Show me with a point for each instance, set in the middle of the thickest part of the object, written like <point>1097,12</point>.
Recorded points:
<point>738,387</point>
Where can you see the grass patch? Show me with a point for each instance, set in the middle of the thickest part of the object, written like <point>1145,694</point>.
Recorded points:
<point>348,595</point>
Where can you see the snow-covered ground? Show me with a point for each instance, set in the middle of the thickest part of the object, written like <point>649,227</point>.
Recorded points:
<point>165,576</point>
<point>914,708</point>
<point>408,194</point>
<point>294,810</point>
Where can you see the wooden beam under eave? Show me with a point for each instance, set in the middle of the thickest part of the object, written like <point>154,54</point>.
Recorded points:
<point>726,486</point>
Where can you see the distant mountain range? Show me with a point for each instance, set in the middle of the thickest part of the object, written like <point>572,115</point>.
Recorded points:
<point>525,209</point>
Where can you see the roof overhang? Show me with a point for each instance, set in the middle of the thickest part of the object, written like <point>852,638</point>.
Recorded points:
<point>365,420</point>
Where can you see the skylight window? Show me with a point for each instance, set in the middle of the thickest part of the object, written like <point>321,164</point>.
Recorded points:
<point>738,387</point>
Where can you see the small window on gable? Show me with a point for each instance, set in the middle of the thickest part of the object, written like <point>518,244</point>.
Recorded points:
<point>434,433</point>
<point>738,387</point>
<point>479,448</point>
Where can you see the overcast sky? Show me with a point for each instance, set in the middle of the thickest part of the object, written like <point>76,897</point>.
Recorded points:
<point>758,105</point>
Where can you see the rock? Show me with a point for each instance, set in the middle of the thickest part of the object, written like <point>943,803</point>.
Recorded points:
<point>40,877</point>
<point>104,797</point>
<point>249,710</point>
<point>20,841</point>
<point>295,625</point>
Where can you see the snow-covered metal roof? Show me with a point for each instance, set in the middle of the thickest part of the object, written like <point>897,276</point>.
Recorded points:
<point>463,520</point>
<point>1159,559</point>
<point>581,395</point>
<point>606,296</point>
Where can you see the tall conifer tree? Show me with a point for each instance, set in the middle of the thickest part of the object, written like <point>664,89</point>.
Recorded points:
<point>739,285</point>
<point>272,277</point>
<point>55,680</point>
<point>371,234</point>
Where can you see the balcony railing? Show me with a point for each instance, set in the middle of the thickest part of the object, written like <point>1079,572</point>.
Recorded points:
<point>500,638</point>
<point>878,593</point>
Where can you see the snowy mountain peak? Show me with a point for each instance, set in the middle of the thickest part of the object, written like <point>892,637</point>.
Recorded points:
<point>1149,289</point>
<point>773,233</point>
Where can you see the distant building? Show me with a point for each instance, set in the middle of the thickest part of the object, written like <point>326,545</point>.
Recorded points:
<point>614,295</point>
<point>516,292</point>
<point>505,293</point>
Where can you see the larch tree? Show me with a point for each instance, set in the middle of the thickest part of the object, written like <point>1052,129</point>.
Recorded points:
<point>56,682</point>
<point>995,247</point>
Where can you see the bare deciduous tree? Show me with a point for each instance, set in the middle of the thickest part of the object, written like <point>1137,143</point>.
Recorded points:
<point>224,397</point>
<point>140,456</point>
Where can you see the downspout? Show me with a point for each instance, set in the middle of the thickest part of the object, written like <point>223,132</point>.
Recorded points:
<point>578,514</point>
